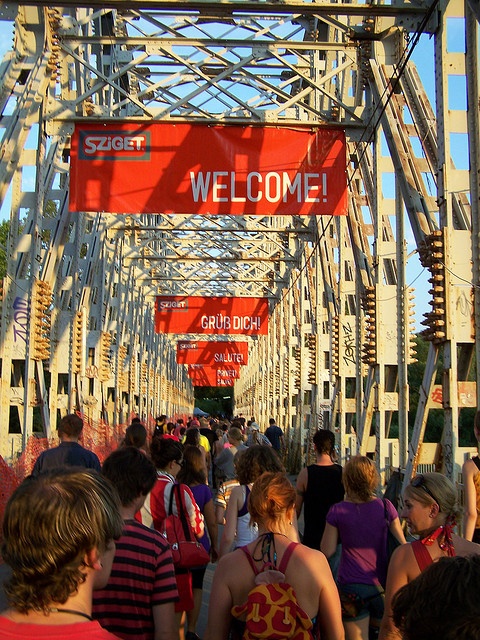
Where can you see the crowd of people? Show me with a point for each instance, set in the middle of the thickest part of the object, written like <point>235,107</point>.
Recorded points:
<point>87,549</point>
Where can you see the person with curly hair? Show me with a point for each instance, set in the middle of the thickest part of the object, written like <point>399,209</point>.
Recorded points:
<point>272,506</point>
<point>442,602</point>
<point>59,531</point>
<point>239,529</point>
<point>360,522</point>
<point>431,511</point>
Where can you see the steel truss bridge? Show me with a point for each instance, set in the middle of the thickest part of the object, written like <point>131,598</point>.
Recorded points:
<point>77,308</point>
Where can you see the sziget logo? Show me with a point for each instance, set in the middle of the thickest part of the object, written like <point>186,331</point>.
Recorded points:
<point>185,346</point>
<point>172,304</point>
<point>114,145</point>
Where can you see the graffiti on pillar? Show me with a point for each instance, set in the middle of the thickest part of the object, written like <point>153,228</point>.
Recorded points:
<point>21,314</point>
<point>464,305</point>
<point>348,343</point>
<point>437,394</point>
<point>91,371</point>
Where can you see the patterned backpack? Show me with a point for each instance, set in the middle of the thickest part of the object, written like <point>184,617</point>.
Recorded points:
<point>271,609</point>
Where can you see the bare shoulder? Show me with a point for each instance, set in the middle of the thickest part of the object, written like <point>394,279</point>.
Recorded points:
<point>301,482</point>
<point>403,561</point>
<point>237,493</point>
<point>315,560</point>
<point>469,467</point>
<point>237,490</point>
<point>230,562</point>
<point>465,547</point>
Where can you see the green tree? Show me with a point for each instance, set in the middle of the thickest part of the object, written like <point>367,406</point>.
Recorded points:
<point>216,401</point>
<point>4,229</point>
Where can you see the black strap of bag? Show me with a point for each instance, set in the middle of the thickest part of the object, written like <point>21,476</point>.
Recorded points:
<point>187,530</point>
<point>392,542</point>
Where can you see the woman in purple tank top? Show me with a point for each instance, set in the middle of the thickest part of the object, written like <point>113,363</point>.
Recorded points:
<point>360,522</point>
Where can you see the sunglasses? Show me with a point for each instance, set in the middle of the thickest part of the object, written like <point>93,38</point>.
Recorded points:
<point>179,462</point>
<point>419,483</point>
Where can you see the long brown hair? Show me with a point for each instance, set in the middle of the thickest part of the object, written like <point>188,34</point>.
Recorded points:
<point>254,461</point>
<point>193,470</point>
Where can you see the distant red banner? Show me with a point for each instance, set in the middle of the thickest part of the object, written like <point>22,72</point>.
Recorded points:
<point>160,167</point>
<point>222,371</point>
<point>212,353</point>
<point>211,315</point>
<point>211,377</point>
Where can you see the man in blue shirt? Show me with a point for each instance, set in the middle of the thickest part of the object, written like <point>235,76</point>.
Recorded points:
<point>69,452</point>
<point>275,435</point>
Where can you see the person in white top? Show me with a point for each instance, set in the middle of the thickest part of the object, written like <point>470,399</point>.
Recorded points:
<point>238,530</point>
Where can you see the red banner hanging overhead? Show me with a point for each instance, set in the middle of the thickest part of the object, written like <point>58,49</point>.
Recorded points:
<point>211,377</point>
<point>223,371</point>
<point>212,353</point>
<point>199,169</point>
<point>211,315</point>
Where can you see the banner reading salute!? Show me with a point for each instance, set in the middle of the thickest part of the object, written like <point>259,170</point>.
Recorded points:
<point>211,315</point>
<point>200,169</point>
<point>212,353</point>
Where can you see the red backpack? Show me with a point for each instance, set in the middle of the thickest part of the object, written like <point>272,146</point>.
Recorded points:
<point>271,609</point>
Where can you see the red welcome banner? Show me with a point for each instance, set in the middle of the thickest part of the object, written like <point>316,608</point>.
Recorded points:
<point>212,353</point>
<point>211,315</point>
<point>128,167</point>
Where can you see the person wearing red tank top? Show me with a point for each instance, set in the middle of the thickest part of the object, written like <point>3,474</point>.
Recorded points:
<point>430,509</point>
<point>272,506</point>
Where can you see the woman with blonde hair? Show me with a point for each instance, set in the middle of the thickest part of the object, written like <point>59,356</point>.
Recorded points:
<point>361,522</point>
<point>430,510</point>
<point>272,506</point>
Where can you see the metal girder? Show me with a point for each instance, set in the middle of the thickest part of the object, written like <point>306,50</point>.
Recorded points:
<point>339,339</point>
<point>192,259</point>
<point>265,64</point>
<point>215,10</point>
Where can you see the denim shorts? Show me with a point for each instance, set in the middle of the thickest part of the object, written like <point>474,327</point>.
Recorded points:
<point>361,600</point>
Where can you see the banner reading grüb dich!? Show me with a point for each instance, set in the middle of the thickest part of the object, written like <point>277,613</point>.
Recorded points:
<point>211,315</point>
